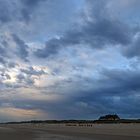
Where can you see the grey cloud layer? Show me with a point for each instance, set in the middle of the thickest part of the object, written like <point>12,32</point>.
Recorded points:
<point>117,92</point>
<point>21,10</point>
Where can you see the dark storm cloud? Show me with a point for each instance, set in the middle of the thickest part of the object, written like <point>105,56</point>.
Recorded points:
<point>116,91</point>
<point>52,47</point>
<point>116,83</point>
<point>96,34</point>
<point>100,31</point>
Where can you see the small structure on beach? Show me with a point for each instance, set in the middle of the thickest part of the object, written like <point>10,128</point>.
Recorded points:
<point>110,117</point>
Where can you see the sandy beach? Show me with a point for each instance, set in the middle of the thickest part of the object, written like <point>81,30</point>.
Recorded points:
<point>63,132</point>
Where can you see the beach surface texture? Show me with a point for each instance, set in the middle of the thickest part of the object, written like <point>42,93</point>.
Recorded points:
<point>64,132</point>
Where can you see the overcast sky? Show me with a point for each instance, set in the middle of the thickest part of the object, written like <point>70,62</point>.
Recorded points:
<point>69,59</point>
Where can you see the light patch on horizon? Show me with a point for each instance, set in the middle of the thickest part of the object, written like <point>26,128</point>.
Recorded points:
<point>17,114</point>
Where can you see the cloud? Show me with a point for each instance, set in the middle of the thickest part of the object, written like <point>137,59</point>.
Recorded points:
<point>96,35</point>
<point>133,49</point>
<point>30,17</point>
<point>2,61</point>
<point>115,91</point>
<point>21,10</point>
<point>28,7</point>
<point>21,47</point>
<point>11,45</point>
<point>33,71</point>
<point>96,31</point>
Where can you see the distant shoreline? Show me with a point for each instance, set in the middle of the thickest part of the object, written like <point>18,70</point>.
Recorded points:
<point>77,121</point>
<point>109,119</point>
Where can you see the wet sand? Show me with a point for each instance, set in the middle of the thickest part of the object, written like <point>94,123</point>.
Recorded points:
<point>62,132</point>
<point>8,133</point>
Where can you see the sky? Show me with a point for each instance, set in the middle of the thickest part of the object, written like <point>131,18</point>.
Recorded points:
<point>69,59</point>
